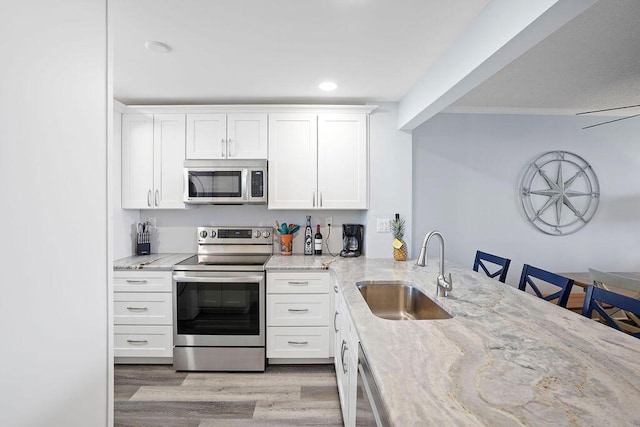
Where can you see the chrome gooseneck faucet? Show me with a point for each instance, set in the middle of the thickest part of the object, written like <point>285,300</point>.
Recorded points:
<point>444,286</point>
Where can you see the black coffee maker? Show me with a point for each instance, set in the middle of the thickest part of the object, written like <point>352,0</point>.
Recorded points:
<point>352,235</point>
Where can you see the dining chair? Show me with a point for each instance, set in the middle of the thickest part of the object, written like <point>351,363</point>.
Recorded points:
<point>602,300</point>
<point>482,258</point>
<point>619,284</point>
<point>565,284</point>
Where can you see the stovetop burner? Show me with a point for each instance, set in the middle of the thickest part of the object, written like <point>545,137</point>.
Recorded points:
<point>230,249</point>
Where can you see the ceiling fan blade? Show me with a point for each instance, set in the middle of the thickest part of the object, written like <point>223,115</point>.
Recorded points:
<point>611,121</point>
<point>607,109</point>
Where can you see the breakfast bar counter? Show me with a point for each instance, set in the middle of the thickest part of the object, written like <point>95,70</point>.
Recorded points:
<point>505,358</point>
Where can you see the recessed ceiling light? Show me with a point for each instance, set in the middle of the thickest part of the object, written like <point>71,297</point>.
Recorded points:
<point>327,86</point>
<point>158,47</point>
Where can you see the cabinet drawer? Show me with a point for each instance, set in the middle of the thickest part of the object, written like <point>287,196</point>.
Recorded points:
<point>300,342</point>
<point>298,282</point>
<point>142,308</point>
<point>148,281</point>
<point>143,341</point>
<point>298,310</point>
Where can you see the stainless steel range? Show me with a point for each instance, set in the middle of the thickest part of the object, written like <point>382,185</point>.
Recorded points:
<point>219,301</point>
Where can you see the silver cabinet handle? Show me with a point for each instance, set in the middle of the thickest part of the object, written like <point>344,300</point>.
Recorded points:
<point>149,198</point>
<point>155,197</point>
<point>313,198</point>
<point>320,198</point>
<point>298,342</point>
<point>136,281</point>
<point>344,349</point>
<point>137,341</point>
<point>335,321</point>
<point>335,289</point>
<point>299,283</point>
<point>229,153</point>
<point>137,308</point>
<point>299,310</point>
<point>222,147</point>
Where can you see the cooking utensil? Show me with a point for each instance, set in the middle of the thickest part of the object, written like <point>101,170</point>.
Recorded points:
<point>294,228</point>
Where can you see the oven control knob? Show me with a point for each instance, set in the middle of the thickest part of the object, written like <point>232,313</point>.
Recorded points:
<point>256,233</point>
<point>266,234</point>
<point>203,234</point>
<point>212,234</point>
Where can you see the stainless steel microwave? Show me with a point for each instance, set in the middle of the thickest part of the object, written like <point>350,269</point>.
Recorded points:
<point>225,181</point>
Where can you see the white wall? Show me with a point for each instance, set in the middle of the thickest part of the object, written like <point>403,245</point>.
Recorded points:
<point>389,178</point>
<point>53,168</point>
<point>389,192</point>
<point>467,170</point>
<point>176,229</point>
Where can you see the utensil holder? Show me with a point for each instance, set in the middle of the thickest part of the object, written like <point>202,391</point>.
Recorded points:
<point>286,244</point>
<point>143,244</point>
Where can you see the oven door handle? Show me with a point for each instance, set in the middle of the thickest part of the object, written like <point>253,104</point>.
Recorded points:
<point>218,279</point>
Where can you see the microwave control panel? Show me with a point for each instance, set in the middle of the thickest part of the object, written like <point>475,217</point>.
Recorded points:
<point>257,184</point>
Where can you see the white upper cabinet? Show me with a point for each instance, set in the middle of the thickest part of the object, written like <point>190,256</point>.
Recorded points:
<point>293,161</point>
<point>318,161</point>
<point>342,161</point>
<point>226,136</point>
<point>152,161</point>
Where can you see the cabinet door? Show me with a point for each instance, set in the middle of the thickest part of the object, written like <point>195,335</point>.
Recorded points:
<point>292,161</point>
<point>137,161</point>
<point>342,161</point>
<point>206,136</point>
<point>247,136</point>
<point>168,153</point>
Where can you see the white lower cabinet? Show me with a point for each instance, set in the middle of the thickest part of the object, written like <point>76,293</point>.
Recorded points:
<point>346,359</point>
<point>299,308</point>
<point>142,317</point>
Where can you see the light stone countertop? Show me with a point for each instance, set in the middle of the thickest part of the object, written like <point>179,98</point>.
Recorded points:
<point>156,262</point>
<point>300,262</point>
<point>506,358</point>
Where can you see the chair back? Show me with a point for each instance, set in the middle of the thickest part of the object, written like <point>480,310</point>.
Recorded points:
<point>565,284</point>
<point>601,300</point>
<point>616,283</point>
<point>482,258</point>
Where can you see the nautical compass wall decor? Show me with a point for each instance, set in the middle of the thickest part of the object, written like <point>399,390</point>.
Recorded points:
<point>559,192</point>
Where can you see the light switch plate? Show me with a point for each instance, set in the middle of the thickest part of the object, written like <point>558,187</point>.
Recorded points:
<point>383,225</point>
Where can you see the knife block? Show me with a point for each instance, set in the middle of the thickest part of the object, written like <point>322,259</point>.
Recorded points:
<point>143,244</point>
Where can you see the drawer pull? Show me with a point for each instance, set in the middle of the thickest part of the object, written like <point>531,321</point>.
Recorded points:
<point>137,341</point>
<point>344,350</point>
<point>299,310</point>
<point>299,283</point>
<point>137,308</point>
<point>136,281</point>
<point>335,319</point>
<point>335,289</point>
<point>298,342</point>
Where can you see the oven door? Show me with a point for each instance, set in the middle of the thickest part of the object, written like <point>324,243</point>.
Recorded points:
<point>219,309</point>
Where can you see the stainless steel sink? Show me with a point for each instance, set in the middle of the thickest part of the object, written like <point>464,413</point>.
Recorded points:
<point>396,300</point>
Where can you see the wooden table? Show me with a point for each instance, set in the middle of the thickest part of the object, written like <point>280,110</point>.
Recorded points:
<point>582,279</point>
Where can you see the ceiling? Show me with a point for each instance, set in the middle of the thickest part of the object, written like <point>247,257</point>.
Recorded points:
<point>593,62</point>
<point>278,51</point>
<point>245,51</point>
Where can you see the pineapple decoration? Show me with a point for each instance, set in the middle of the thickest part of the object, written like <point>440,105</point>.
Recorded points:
<point>399,245</point>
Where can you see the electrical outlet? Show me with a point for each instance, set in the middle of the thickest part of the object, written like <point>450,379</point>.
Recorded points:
<point>383,225</point>
<point>329,221</point>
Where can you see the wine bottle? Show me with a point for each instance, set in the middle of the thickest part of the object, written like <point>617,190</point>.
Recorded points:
<point>317,242</point>
<point>308,237</point>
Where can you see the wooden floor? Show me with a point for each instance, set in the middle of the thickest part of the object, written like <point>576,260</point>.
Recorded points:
<point>292,395</point>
